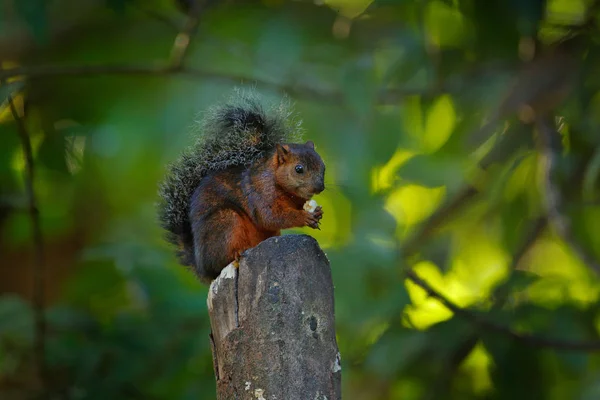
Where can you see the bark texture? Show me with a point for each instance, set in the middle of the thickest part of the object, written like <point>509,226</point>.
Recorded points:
<point>273,330</point>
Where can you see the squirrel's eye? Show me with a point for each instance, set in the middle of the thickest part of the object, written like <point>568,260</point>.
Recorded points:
<point>299,169</point>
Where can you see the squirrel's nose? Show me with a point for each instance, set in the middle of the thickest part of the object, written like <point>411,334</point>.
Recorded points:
<point>319,187</point>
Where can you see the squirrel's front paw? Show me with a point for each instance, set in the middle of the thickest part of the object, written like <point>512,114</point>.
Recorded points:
<point>312,219</point>
<point>318,213</point>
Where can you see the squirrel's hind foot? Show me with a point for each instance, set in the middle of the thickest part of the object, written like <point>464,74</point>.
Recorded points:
<point>236,260</point>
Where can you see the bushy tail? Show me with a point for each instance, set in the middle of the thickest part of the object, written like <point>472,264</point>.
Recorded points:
<point>234,133</point>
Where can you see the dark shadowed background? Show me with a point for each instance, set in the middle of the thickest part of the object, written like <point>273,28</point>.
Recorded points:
<point>464,255</point>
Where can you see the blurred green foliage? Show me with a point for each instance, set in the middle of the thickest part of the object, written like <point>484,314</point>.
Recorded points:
<point>390,92</point>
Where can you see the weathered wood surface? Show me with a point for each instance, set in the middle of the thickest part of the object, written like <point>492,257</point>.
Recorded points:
<point>273,330</point>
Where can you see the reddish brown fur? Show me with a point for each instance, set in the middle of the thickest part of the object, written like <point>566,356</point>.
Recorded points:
<point>236,209</point>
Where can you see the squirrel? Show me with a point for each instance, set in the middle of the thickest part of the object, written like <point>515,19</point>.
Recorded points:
<point>243,181</point>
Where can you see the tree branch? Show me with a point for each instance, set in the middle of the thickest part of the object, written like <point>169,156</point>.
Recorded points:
<point>532,340</point>
<point>549,139</point>
<point>39,269</point>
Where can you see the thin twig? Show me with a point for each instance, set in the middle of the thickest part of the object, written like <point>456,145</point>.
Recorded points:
<point>39,269</point>
<point>532,340</point>
<point>552,199</point>
<point>183,39</point>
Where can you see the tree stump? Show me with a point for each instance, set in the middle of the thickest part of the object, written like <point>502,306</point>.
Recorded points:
<point>273,325</point>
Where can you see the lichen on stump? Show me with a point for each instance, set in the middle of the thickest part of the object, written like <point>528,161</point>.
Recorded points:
<point>273,325</point>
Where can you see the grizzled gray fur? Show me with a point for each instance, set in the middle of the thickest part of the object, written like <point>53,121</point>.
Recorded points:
<point>237,132</point>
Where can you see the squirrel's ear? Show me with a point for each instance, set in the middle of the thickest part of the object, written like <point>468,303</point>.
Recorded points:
<point>310,144</point>
<point>282,152</point>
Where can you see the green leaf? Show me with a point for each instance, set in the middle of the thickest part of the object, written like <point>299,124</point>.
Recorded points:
<point>445,25</point>
<point>517,281</point>
<point>516,222</point>
<point>434,170</point>
<point>440,123</point>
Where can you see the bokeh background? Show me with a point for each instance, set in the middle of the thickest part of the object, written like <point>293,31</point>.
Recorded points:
<point>502,223</point>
